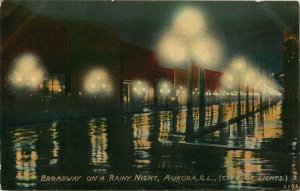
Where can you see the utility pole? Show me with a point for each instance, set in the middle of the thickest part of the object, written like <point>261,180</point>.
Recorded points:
<point>201,98</point>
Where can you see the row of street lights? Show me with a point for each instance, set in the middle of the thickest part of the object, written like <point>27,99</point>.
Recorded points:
<point>98,82</point>
<point>188,41</point>
<point>165,89</point>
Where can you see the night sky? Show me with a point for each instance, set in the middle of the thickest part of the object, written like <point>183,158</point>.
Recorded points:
<point>249,28</point>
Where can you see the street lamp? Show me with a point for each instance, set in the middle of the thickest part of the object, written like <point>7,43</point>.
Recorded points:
<point>27,72</point>
<point>97,82</point>
<point>227,83</point>
<point>164,88</point>
<point>238,66</point>
<point>140,89</point>
<point>189,23</point>
<point>188,42</point>
<point>181,93</point>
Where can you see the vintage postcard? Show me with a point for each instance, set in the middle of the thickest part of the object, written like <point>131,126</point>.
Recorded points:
<point>151,95</point>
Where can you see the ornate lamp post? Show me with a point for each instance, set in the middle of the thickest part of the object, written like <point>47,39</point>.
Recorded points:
<point>165,90</point>
<point>140,89</point>
<point>188,42</point>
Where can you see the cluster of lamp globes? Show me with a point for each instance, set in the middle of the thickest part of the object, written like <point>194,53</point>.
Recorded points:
<point>188,40</point>
<point>141,88</point>
<point>242,75</point>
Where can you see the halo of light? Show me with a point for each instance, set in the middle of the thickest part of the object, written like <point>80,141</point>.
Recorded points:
<point>171,50</point>
<point>97,81</point>
<point>189,23</point>
<point>27,72</point>
<point>139,87</point>
<point>239,63</point>
<point>165,87</point>
<point>206,51</point>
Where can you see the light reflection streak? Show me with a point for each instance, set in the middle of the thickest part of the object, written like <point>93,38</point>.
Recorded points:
<point>141,131</point>
<point>26,157</point>
<point>98,139</point>
<point>181,121</point>
<point>55,142</point>
<point>165,127</point>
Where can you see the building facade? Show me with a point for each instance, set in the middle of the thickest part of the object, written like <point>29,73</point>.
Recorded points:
<point>89,63</point>
<point>140,64</point>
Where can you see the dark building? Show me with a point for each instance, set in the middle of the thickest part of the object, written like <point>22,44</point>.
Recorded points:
<point>93,47</point>
<point>22,32</point>
<point>141,64</point>
<point>70,50</point>
<point>290,114</point>
<point>291,66</point>
<point>212,80</point>
<point>67,50</point>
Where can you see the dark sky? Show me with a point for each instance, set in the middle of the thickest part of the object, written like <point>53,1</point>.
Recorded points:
<point>249,28</point>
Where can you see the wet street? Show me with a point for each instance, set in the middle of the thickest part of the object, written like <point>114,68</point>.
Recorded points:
<point>258,151</point>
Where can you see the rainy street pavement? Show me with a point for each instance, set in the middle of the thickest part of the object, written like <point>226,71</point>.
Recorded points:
<point>259,147</point>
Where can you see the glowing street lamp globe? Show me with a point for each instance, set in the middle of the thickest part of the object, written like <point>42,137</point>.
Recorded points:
<point>171,50</point>
<point>206,51</point>
<point>164,88</point>
<point>189,23</point>
<point>27,72</point>
<point>140,88</point>
<point>97,81</point>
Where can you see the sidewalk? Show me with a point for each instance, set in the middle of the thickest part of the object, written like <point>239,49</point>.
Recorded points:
<point>12,118</point>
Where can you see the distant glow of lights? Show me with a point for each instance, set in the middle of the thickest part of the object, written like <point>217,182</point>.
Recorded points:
<point>27,72</point>
<point>239,63</point>
<point>216,93</point>
<point>97,81</point>
<point>243,73</point>
<point>55,85</point>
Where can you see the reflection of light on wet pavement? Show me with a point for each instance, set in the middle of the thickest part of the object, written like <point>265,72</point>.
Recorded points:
<point>294,167</point>
<point>25,157</point>
<point>141,131</point>
<point>252,133</point>
<point>55,142</point>
<point>165,127</point>
<point>98,139</point>
<point>244,163</point>
<point>255,132</point>
<point>154,146</point>
<point>180,122</point>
